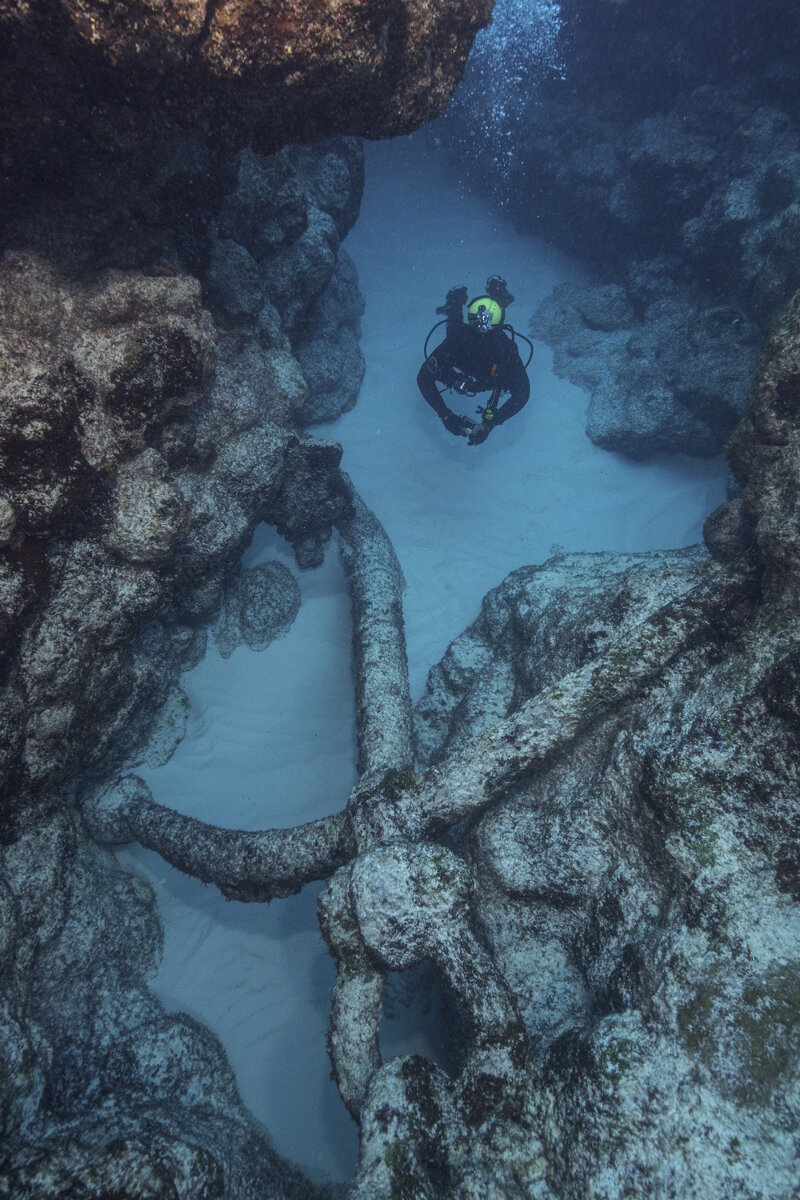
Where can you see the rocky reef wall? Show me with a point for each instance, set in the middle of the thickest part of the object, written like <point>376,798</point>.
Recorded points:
<point>79,74</point>
<point>175,309</point>
<point>151,418</point>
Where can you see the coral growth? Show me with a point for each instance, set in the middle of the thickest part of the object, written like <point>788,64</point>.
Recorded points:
<point>612,913</point>
<point>237,73</point>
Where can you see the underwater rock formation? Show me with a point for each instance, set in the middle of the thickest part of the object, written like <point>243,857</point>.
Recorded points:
<point>330,357</point>
<point>159,486</point>
<point>103,1093</point>
<point>614,911</point>
<point>762,524</point>
<point>236,73</point>
<point>666,370</point>
<point>150,420</point>
<point>258,606</point>
<point>668,140</point>
<point>152,415</point>
<point>172,297</point>
<point>601,861</point>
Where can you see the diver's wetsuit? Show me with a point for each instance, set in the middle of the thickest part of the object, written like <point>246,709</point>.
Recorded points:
<point>491,359</point>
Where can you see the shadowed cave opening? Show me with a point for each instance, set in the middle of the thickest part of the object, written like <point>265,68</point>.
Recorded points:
<point>420,1016</point>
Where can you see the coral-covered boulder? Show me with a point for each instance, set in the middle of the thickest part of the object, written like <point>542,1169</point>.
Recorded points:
<point>666,367</point>
<point>149,513</point>
<point>259,605</point>
<point>237,72</point>
<point>87,374</point>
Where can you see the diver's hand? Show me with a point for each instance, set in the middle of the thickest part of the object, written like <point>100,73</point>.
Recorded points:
<point>479,433</point>
<point>460,426</point>
<point>455,300</point>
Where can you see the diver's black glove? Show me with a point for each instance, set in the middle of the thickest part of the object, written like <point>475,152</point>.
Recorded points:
<point>454,301</point>
<point>460,426</point>
<point>497,288</point>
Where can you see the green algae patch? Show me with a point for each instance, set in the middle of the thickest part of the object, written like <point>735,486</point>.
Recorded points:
<point>749,1041</point>
<point>770,1033</point>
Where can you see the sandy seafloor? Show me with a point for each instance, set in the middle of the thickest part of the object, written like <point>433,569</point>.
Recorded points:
<point>271,737</point>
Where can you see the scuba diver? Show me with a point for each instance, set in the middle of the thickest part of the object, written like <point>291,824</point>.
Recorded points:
<point>480,355</point>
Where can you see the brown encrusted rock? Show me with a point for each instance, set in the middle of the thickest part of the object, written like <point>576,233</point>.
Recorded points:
<point>146,346</point>
<point>728,532</point>
<point>87,374</point>
<point>765,453</point>
<point>44,475</point>
<point>238,71</point>
<point>149,515</point>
